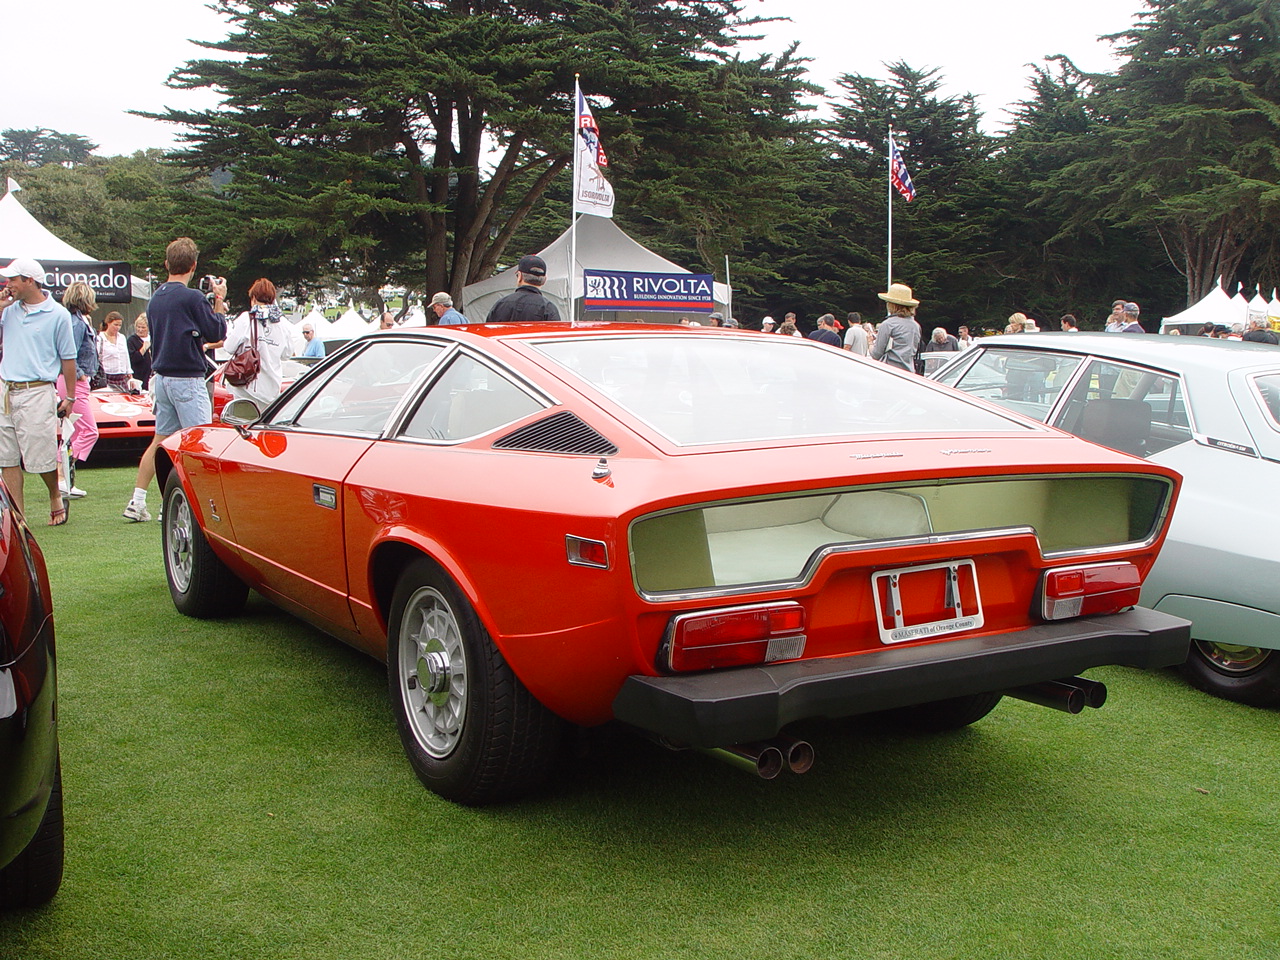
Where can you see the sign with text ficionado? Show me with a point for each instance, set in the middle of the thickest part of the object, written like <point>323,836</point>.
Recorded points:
<point>109,279</point>
<point>671,292</point>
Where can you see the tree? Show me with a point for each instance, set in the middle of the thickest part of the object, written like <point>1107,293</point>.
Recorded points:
<point>408,140</point>
<point>1189,135</point>
<point>39,147</point>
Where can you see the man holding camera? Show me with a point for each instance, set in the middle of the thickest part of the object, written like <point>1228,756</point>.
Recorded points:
<point>182,322</point>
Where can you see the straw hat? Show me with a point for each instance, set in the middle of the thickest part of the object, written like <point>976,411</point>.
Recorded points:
<point>900,294</point>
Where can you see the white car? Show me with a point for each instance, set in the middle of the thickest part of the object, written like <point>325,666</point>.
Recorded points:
<point>1209,409</point>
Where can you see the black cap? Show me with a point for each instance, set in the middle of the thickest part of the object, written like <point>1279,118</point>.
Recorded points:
<point>532,265</point>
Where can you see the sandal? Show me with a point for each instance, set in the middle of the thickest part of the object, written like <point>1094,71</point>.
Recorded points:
<point>58,517</point>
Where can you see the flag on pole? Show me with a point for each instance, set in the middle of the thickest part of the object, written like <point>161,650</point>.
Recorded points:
<point>898,175</point>
<point>591,191</point>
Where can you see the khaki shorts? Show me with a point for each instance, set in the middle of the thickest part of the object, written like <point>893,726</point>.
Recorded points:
<point>29,431</point>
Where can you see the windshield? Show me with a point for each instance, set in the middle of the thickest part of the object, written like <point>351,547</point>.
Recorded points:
<point>704,390</point>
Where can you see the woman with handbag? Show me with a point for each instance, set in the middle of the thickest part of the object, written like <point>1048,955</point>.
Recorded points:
<point>257,331</point>
<point>113,350</point>
<point>80,303</point>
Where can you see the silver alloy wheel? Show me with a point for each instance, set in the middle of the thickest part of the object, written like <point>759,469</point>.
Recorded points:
<point>1232,657</point>
<point>433,672</point>
<point>178,523</point>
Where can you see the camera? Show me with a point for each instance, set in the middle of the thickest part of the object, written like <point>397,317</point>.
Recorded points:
<point>206,285</point>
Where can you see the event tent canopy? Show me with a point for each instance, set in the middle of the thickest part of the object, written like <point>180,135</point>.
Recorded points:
<point>601,246</point>
<point>22,235</point>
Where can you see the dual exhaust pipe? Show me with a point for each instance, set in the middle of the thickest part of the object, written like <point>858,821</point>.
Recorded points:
<point>766,758</point>
<point>1070,696</point>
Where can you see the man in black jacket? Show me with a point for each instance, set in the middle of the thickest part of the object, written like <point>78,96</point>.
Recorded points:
<point>527,304</point>
<point>182,323</point>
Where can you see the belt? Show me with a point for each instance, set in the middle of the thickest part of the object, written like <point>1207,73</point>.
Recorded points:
<point>28,384</point>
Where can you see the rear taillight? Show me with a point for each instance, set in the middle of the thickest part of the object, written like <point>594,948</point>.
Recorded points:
<point>734,637</point>
<point>1091,589</point>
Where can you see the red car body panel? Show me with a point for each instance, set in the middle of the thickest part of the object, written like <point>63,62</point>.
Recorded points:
<point>496,521</point>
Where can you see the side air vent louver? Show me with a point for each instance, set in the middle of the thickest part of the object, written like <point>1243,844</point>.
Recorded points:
<point>559,433</point>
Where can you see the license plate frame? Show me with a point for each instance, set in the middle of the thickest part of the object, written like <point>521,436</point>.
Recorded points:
<point>962,598</point>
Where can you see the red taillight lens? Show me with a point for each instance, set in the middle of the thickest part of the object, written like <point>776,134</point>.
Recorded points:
<point>734,637</point>
<point>1088,590</point>
<point>586,553</point>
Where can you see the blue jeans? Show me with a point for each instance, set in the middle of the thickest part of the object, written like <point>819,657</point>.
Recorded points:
<point>180,402</point>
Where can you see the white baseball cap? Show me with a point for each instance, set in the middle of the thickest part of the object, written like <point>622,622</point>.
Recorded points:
<point>24,267</point>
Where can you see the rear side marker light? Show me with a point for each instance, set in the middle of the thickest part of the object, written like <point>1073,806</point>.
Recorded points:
<point>587,553</point>
<point>1088,590</point>
<point>734,637</point>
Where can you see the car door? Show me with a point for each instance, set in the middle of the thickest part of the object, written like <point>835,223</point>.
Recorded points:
<point>283,478</point>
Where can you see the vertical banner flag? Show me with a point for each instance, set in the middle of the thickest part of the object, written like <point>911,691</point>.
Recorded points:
<point>591,191</point>
<point>898,175</point>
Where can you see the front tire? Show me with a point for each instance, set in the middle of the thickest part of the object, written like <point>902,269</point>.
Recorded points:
<point>201,585</point>
<point>36,873</point>
<point>473,732</point>
<point>1248,675</point>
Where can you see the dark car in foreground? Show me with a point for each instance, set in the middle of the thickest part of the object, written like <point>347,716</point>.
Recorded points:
<point>703,534</point>
<point>30,772</point>
<point>1209,409</point>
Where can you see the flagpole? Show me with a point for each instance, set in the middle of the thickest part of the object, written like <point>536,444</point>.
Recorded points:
<point>573,193</point>
<point>728,282</point>
<point>889,201</point>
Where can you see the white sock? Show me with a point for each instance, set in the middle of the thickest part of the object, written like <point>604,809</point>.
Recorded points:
<point>140,496</point>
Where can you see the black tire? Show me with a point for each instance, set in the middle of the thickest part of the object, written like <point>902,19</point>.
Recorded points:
<point>1248,675</point>
<point>941,715</point>
<point>201,585</point>
<point>35,875</point>
<point>473,733</point>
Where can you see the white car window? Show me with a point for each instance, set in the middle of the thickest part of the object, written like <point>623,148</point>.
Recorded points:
<point>1021,380</point>
<point>1133,409</point>
<point>1267,387</point>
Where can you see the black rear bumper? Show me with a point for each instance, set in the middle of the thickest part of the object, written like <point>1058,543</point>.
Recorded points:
<point>719,708</point>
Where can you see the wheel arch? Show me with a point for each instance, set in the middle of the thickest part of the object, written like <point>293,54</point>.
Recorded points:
<point>392,556</point>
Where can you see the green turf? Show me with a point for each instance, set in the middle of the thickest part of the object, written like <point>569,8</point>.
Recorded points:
<point>236,789</point>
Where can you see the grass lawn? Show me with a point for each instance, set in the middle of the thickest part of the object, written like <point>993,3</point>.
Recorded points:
<point>236,789</point>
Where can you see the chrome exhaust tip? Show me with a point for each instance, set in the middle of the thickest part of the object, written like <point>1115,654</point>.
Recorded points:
<point>762,759</point>
<point>798,754</point>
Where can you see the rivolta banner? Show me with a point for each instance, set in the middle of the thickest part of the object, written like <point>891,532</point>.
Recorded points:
<point>672,292</point>
<point>109,279</point>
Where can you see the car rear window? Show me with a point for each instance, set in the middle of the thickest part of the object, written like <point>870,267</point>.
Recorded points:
<point>696,389</point>
<point>1267,387</point>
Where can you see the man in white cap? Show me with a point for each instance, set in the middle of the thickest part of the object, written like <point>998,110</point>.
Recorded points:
<point>898,339</point>
<point>38,345</point>
<point>442,307</point>
<point>768,324</point>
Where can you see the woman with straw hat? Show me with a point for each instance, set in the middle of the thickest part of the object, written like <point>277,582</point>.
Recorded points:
<point>898,338</point>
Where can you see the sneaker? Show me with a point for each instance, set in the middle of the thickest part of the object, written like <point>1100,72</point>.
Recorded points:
<point>75,493</point>
<point>137,512</point>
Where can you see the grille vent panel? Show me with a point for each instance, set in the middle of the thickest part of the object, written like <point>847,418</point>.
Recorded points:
<point>561,432</point>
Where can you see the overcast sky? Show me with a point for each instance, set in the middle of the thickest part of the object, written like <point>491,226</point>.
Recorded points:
<point>93,61</point>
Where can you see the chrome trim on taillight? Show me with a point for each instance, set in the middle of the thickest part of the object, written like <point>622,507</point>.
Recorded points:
<point>575,556</point>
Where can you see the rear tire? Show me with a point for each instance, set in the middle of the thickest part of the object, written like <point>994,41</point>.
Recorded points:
<point>35,875</point>
<point>1248,675</point>
<point>201,585</point>
<point>942,715</point>
<point>473,732</point>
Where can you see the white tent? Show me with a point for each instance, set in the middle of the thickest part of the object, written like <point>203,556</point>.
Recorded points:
<point>1215,307</point>
<point>601,246</point>
<point>22,235</point>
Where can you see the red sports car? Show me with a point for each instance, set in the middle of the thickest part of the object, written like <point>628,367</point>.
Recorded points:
<point>704,534</point>
<point>125,420</point>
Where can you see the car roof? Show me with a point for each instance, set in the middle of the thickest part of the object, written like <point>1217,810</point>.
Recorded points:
<point>1187,355</point>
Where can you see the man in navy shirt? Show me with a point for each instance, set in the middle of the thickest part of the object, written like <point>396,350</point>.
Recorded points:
<point>182,322</point>
<point>826,332</point>
<point>527,304</point>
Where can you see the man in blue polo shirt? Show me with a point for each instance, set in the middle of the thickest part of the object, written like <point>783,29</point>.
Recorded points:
<point>38,345</point>
<point>182,322</point>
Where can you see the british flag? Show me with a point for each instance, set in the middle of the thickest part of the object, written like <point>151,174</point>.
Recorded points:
<point>588,130</point>
<point>898,175</point>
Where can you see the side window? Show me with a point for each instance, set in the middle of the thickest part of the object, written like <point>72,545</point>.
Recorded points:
<point>1268,389</point>
<point>361,395</point>
<point>1127,408</point>
<point>1018,379</point>
<point>468,399</point>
